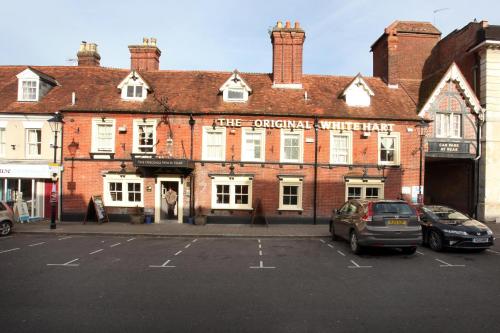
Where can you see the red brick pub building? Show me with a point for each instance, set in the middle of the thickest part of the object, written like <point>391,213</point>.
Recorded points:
<point>288,146</point>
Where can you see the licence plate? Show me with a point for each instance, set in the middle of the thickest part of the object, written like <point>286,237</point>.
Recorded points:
<point>480,240</point>
<point>396,222</point>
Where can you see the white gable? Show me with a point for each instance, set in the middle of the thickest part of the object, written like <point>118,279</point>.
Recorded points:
<point>33,85</point>
<point>358,93</point>
<point>134,87</point>
<point>454,74</point>
<point>28,74</point>
<point>235,89</point>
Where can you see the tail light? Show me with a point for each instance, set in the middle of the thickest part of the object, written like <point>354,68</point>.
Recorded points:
<point>369,213</point>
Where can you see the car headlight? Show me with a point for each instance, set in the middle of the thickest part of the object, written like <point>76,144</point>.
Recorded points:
<point>455,232</point>
<point>489,232</point>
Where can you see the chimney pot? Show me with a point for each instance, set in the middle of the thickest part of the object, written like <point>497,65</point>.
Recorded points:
<point>287,55</point>
<point>279,25</point>
<point>287,25</point>
<point>297,25</point>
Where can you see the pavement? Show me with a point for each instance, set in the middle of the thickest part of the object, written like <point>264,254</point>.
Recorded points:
<point>185,230</point>
<point>175,230</point>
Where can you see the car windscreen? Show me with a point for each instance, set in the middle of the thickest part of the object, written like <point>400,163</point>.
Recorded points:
<point>397,208</point>
<point>445,213</point>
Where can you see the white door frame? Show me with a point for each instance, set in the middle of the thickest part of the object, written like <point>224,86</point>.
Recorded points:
<point>180,196</point>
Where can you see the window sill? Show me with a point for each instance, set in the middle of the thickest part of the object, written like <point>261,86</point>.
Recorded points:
<point>290,209</point>
<point>243,209</point>
<point>102,155</point>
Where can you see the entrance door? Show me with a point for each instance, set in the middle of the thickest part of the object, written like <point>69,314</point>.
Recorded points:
<point>169,203</point>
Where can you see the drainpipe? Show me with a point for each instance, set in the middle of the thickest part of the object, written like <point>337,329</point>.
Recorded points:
<point>315,168</point>
<point>476,164</point>
<point>192,122</point>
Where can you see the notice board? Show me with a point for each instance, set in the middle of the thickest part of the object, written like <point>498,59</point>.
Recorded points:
<point>96,211</point>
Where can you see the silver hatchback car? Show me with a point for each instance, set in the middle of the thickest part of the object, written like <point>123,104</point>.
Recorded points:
<point>377,223</point>
<point>6,219</point>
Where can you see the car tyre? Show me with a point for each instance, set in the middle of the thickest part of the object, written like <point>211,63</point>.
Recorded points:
<point>5,228</point>
<point>409,250</point>
<point>435,241</point>
<point>354,243</point>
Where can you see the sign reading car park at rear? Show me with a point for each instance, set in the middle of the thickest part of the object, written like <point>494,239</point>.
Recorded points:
<point>449,147</point>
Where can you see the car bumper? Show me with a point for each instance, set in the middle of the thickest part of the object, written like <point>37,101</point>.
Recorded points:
<point>394,239</point>
<point>466,242</point>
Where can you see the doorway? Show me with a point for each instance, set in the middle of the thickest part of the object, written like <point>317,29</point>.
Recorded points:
<point>169,200</point>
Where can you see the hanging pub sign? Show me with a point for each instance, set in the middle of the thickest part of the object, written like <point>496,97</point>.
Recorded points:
<point>306,124</point>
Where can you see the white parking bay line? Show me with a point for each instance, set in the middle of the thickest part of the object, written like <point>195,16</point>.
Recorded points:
<point>341,253</point>
<point>322,241</point>
<point>330,245</point>
<point>187,246</point>
<point>445,264</point>
<point>178,252</point>
<point>420,253</point>
<point>69,263</point>
<point>495,252</point>
<point>5,237</point>
<point>68,237</point>
<point>358,266</point>
<point>165,265</point>
<point>96,251</point>
<point>36,244</point>
<point>5,251</point>
<point>262,266</point>
<point>131,239</point>
<point>116,244</point>
<point>195,240</point>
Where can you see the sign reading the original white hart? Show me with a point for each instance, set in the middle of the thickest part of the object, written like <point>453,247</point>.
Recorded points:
<point>25,171</point>
<point>306,124</point>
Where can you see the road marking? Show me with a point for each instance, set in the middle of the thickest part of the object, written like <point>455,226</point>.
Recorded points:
<point>341,253</point>
<point>68,237</point>
<point>260,246</point>
<point>36,244</point>
<point>258,240</point>
<point>322,241</point>
<point>194,240</point>
<point>6,237</point>
<point>187,246</point>
<point>330,245</point>
<point>493,251</point>
<point>447,264</point>
<point>131,239</point>
<point>260,253</point>
<point>165,265</point>
<point>116,244</point>
<point>5,251</point>
<point>69,263</point>
<point>358,266</point>
<point>420,253</point>
<point>179,252</point>
<point>96,251</point>
<point>262,266</point>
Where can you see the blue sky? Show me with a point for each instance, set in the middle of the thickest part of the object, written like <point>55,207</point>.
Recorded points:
<point>218,35</point>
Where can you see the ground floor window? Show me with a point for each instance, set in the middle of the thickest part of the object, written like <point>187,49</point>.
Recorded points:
<point>29,190</point>
<point>122,191</point>
<point>231,192</point>
<point>290,193</point>
<point>364,189</point>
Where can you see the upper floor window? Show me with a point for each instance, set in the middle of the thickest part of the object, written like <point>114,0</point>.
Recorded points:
<point>235,89</point>
<point>388,148</point>
<point>144,136</point>
<point>253,144</point>
<point>33,142</point>
<point>33,85</point>
<point>2,141</point>
<point>133,87</point>
<point>214,144</point>
<point>292,145</point>
<point>448,125</point>
<point>103,135</point>
<point>29,90</point>
<point>340,147</point>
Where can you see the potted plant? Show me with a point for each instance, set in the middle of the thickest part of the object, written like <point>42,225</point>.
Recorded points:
<point>200,218</point>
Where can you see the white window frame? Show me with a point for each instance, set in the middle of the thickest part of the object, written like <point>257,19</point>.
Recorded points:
<point>135,145</point>
<point>135,84</point>
<point>108,179</point>
<point>245,132</point>
<point>20,95</point>
<point>283,133</point>
<point>369,183</point>
<point>446,123</point>
<point>27,130</point>
<point>96,122</point>
<point>291,181</point>
<point>347,134</point>
<point>397,147</point>
<point>206,131</point>
<point>232,182</point>
<point>3,140</point>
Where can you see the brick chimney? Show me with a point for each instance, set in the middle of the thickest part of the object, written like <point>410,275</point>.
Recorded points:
<point>145,57</point>
<point>87,55</point>
<point>402,50</point>
<point>287,55</point>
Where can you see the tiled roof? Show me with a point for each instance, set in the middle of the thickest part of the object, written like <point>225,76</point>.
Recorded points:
<point>198,92</point>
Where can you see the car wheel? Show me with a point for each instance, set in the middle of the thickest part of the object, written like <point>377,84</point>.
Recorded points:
<point>5,228</point>
<point>334,235</point>
<point>435,241</point>
<point>353,241</point>
<point>409,250</point>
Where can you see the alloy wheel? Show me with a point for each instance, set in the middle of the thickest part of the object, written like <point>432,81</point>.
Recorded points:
<point>5,228</point>
<point>435,241</point>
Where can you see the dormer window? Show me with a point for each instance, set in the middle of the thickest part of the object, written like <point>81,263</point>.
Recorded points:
<point>133,87</point>
<point>235,89</point>
<point>357,93</point>
<point>33,85</point>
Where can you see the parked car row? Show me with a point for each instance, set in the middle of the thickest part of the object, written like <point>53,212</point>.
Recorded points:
<point>394,223</point>
<point>6,219</point>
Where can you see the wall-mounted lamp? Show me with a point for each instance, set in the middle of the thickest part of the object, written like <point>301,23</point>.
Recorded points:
<point>123,171</point>
<point>73,147</point>
<point>191,120</point>
<point>214,125</point>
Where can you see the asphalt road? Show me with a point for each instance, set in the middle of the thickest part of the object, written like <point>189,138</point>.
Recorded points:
<point>126,284</point>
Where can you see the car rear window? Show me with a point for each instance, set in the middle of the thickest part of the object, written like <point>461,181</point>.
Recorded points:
<point>399,208</point>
